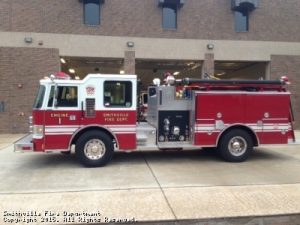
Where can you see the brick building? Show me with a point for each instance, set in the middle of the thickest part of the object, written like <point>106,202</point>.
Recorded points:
<point>245,39</point>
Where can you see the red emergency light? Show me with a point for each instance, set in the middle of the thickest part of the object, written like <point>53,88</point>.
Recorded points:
<point>285,79</point>
<point>26,148</point>
<point>60,76</point>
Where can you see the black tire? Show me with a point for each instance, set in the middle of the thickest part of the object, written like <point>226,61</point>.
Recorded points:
<point>94,149</point>
<point>235,146</point>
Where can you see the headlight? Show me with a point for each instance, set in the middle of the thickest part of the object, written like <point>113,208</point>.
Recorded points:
<point>38,131</point>
<point>30,120</point>
<point>30,129</point>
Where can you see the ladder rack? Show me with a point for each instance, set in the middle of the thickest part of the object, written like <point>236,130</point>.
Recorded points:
<point>246,85</point>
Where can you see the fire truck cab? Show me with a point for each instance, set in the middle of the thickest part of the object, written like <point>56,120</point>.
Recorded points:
<point>98,116</point>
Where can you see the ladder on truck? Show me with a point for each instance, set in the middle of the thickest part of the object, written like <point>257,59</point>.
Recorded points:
<point>245,85</point>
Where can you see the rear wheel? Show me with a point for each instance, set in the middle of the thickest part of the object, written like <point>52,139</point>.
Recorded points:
<point>94,148</point>
<point>236,145</point>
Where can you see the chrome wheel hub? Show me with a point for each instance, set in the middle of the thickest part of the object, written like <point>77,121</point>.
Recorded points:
<point>94,149</point>
<point>237,146</point>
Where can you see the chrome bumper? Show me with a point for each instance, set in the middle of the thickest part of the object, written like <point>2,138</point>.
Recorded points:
<point>24,144</point>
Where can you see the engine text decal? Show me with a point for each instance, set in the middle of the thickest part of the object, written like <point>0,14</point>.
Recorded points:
<point>59,115</point>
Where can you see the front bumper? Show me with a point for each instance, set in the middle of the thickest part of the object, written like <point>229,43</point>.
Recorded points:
<point>24,144</point>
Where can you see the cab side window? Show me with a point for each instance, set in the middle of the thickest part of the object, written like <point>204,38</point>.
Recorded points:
<point>118,94</point>
<point>67,96</point>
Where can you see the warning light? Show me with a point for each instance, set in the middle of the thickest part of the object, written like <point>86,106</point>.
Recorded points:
<point>60,76</point>
<point>285,79</point>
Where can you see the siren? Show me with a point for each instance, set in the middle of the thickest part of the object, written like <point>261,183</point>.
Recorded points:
<point>156,81</point>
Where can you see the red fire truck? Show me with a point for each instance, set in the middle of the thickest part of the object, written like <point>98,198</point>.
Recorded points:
<point>97,116</point>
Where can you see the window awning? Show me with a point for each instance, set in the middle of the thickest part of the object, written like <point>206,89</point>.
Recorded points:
<point>239,5</point>
<point>179,3</point>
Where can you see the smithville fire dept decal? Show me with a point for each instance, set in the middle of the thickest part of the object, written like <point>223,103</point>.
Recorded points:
<point>116,117</point>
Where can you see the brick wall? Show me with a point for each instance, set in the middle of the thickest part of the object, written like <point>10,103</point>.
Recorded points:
<point>274,20</point>
<point>22,66</point>
<point>290,66</point>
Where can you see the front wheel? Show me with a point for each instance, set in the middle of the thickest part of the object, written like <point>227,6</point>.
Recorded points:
<point>236,145</point>
<point>94,149</point>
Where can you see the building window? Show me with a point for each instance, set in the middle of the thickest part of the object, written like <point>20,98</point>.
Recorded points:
<point>118,94</point>
<point>91,12</point>
<point>241,20</point>
<point>242,10</point>
<point>169,17</point>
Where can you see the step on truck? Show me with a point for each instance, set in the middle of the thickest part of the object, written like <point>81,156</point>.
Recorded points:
<point>97,116</point>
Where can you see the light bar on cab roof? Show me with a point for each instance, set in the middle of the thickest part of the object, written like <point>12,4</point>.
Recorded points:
<point>60,76</point>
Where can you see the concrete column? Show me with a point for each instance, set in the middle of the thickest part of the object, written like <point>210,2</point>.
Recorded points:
<point>268,71</point>
<point>129,62</point>
<point>208,64</point>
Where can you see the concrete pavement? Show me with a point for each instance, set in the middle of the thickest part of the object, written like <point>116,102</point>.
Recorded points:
<point>7,139</point>
<point>148,186</point>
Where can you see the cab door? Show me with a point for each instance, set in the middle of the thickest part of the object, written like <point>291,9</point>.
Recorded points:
<point>62,116</point>
<point>113,107</point>
<point>118,110</point>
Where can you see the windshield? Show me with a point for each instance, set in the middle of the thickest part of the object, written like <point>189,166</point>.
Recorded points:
<point>39,98</point>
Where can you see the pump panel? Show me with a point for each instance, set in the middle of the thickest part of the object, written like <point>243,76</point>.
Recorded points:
<point>173,126</point>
